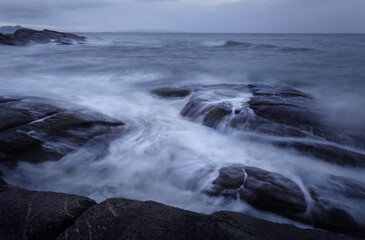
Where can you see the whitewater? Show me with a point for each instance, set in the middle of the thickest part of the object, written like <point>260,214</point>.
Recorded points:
<point>163,156</point>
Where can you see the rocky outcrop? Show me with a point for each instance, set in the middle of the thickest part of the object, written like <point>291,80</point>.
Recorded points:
<point>129,219</point>
<point>38,215</point>
<point>281,112</point>
<point>172,92</point>
<point>262,189</point>
<point>274,193</point>
<point>46,215</point>
<point>328,208</point>
<point>26,36</point>
<point>36,130</point>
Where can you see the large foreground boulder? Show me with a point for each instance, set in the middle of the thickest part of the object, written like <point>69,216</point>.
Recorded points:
<point>262,189</point>
<point>25,36</point>
<point>129,219</point>
<point>36,130</point>
<point>38,215</point>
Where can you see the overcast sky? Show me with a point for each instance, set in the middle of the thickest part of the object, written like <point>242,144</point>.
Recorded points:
<point>289,16</point>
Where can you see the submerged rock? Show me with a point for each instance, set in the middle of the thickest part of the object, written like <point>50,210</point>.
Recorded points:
<point>34,131</point>
<point>262,189</point>
<point>25,36</point>
<point>172,92</point>
<point>38,215</point>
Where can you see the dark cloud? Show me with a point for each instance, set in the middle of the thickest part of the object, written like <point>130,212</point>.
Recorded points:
<point>191,15</point>
<point>13,9</point>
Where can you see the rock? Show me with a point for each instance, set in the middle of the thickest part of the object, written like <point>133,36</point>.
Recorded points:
<point>34,131</point>
<point>2,182</point>
<point>25,36</point>
<point>328,153</point>
<point>262,189</point>
<point>130,219</point>
<point>333,199</point>
<point>172,92</point>
<point>242,226</point>
<point>38,215</point>
<point>336,220</point>
<point>278,111</point>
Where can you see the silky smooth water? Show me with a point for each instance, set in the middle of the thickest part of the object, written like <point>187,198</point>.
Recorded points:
<point>161,156</point>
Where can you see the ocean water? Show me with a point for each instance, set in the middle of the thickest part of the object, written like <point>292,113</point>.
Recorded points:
<point>162,156</point>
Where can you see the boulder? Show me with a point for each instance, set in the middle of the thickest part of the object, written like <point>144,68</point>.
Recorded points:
<point>38,215</point>
<point>36,130</point>
<point>130,219</point>
<point>279,111</point>
<point>22,37</point>
<point>262,189</point>
<point>172,92</point>
<point>333,199</point>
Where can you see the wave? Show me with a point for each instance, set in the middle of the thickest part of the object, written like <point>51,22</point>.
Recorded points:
<point>232,43</point>
<point>290,49</point>
<point>227,43</point>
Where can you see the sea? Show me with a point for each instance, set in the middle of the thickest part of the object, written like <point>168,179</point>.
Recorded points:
<point>163,156</point>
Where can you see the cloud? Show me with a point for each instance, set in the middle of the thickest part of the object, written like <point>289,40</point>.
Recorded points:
<point>42,8</point>
<point>190,15</point>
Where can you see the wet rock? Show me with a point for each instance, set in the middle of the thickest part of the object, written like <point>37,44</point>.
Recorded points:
<point>327,152</point>
<point>25,36</point>
<point>34,131</point>
<point>172,92</point>
<point>130,219</point>
<point>262,189</point>
<point>278,111</point>
<point>333,199</point>
<point>242,226</point>
<point>336,220</point>
<point>38,215</point>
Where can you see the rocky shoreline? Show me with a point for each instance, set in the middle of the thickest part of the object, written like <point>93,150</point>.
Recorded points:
<point>46,215</point>
<point>26,36</point>
<point>38,129</point>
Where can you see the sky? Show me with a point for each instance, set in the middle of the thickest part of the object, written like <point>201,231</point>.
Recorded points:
<point>221,16</point>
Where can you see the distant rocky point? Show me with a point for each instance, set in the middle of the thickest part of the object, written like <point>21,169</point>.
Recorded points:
<point>23,37</point>
<point>10,29</point>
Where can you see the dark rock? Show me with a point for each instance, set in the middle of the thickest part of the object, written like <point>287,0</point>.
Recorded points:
<point>242,226</point>
<point>262,189</point>
<point>333,197</point>
<point>34,131</point>
<point>10,29</point>
<point>329,153</point>
<point>25,36</point>
<point>38,215</point>
<point>336,220</point>
<point>172,92</point>
<point>129,219</point>
<point>278,111</point>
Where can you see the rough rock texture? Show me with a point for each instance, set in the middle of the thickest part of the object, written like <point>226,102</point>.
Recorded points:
<point>129,219</point>
<point>38,215</point>
<point>262,189</point>
<point>275,193</point>
<point>278,111</point>
<point>329,209</point>
<point>172,92</point>
<point>36,130</point>
<point>25,36</point>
